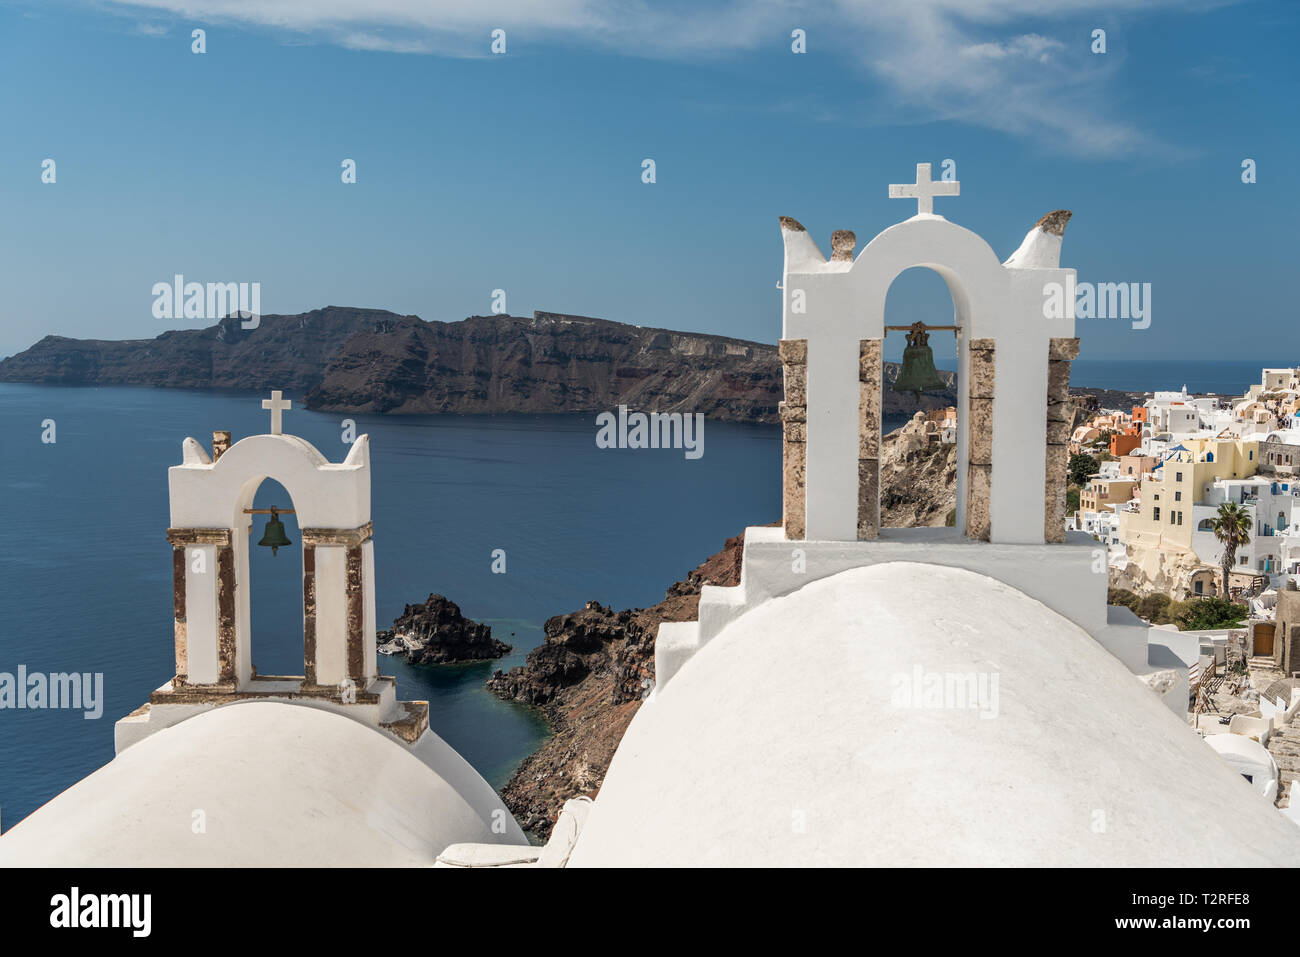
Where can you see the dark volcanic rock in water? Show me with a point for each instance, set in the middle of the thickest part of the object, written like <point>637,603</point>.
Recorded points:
<point>371,360</point>
<point>588,678</point>
<point>436,633</point>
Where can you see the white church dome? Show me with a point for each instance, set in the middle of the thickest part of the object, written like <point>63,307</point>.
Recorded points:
<point>816,730</point>
<point>263,784</point>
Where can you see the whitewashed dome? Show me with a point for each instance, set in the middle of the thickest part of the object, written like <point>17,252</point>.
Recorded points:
<point>277,784</point>
<point>779,743</point>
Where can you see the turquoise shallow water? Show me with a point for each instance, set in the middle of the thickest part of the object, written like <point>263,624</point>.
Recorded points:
<point>85,570</point>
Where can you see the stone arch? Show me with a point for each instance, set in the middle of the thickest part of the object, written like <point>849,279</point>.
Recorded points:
<point>834,315</point>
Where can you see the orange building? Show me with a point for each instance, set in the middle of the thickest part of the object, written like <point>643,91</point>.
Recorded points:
<point>1122,443</point>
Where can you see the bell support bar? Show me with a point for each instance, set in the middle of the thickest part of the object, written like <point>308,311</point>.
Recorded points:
<point>269,511</point>
<point>927,328</point>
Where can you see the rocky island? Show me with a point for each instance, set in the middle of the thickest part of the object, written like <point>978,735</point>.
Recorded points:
<point>346,359</point>
<point>434,632</point>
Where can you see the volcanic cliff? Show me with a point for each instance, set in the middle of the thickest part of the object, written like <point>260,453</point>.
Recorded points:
<point>370,360</point>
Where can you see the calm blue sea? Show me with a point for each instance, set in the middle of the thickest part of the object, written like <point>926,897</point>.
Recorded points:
<point>1221,376</point>
<point>85,570</point>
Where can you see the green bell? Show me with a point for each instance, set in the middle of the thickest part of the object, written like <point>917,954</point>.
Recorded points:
<point>918,373</point>
<point>274,535</point>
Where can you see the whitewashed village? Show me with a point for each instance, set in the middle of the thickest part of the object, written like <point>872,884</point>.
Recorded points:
<point>970,694</point>
<point>1194,499</point>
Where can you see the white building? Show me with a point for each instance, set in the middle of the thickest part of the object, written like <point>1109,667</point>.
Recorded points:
<point>1274,508</point>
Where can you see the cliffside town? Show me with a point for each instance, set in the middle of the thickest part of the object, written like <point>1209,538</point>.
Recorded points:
<point>1156,478</point>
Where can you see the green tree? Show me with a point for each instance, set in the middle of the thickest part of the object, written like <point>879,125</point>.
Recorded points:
<point>1201,614</point>
<point>1232,528</point>
<point>1155,608</point>
<point>1082,467</point>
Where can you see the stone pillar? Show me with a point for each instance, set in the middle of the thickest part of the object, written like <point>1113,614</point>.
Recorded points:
<point>203,607</point>
<point>309,615</point>
<point>979,432</point>
<point>1059,354</point>
<point>227,672</point>
<point>870,379</point>
<point>794,435</point>
<point>338,609</point>
<point>355,598</point>
<point>179,624</point>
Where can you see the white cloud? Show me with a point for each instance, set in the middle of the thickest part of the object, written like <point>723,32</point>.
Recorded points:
<point>1019,66</point>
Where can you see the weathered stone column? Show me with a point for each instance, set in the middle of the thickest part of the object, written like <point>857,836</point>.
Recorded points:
<point>794,435</point>
<point>1059,354</point>
<point>979,432</point>
<point>227,671</point>
<point>205,652</point>
<point>179,624</point>
<point>870,379</point>
<point>355,596</point>
<point>309,614</point>
<point>336,607</point>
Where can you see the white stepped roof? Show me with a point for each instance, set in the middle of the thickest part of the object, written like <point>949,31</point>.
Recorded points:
<point>278,784</point>
<point>778,744</point>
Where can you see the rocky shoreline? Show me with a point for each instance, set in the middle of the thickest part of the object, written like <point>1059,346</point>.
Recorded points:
<point>588,679</point>
<point>435,632</point>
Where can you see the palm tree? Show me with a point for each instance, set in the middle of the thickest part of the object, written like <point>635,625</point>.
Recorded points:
<point>1232,528</point>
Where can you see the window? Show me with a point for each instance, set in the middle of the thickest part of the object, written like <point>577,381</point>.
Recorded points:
<point>1180,517</point>
<point>1178,496</point>
<point>1156,513</point>
<point>1178,476</point>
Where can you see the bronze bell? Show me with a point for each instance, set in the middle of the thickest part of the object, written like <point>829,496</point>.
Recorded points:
<point>274,535</point>
<point>918,373</point>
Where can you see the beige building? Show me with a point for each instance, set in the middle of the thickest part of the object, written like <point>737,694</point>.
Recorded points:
<point>1102,492</point>
<point>1136,466</point>
<point>1187,474</point>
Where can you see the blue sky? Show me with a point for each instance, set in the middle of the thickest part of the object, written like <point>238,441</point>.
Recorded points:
<point>523,171</point>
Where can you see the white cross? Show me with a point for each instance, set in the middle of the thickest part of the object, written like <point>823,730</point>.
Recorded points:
<point>923,190</point>
<point>277,406</point>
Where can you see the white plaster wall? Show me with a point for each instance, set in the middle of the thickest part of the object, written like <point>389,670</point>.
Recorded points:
<point>369,655</point>
<point>331,614</point>
<point>325,494</point>
<point>243,599</point>
<point>1060,575</point>
<point>201,614</point>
